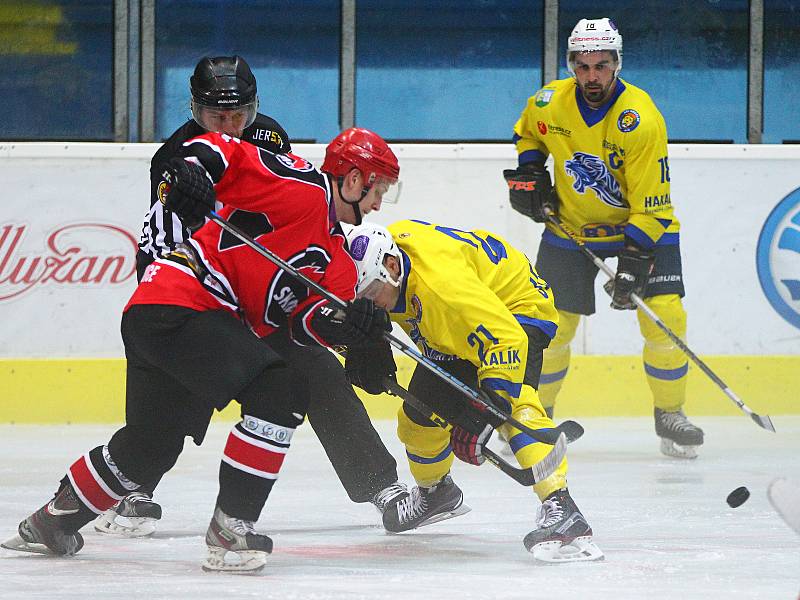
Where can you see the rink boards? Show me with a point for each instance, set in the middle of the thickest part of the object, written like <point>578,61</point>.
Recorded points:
<point>93,391</point>
<point>71,216</point>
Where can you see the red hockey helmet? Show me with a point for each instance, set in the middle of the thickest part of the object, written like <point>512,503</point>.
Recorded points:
<point>365,150</point>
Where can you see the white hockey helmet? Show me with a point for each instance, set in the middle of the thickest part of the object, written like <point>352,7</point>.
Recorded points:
<point>592,35</point>
<point>369,244</point>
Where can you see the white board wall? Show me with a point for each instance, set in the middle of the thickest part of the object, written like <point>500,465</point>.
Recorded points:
<point>79,207</point>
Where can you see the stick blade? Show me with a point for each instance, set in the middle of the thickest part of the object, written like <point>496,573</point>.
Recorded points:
<point>764,421</point>
<point>547,466</point>
<point>571,429</point>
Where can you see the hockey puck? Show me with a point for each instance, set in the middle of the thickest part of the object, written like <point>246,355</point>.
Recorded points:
<point>738,497</point>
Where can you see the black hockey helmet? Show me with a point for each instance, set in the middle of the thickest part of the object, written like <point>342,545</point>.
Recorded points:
<point>223,81</point>
<point>223,94</point>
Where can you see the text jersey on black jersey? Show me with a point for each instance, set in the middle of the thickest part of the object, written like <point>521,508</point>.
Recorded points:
<point>162,230</point>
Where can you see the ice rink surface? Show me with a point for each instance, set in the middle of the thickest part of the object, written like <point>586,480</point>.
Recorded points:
<point>663,524</point>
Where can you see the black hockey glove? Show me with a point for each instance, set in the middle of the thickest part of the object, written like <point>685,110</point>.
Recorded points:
<point>360,323</point>
<point>368,365</point>
<point>530,191</point>
<point>475,426</point>
<point>191,193</point>
<point>633,270</point>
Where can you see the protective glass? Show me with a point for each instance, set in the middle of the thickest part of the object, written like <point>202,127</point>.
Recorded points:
<point>387,189</point>
<point>231,120</point>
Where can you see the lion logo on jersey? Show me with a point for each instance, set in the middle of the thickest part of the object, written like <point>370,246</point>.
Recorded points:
<point>285,292</point>
<point>590,172</point>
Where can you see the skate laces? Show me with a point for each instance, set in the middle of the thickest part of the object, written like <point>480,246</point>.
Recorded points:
<point>676,421</point>
<point>239,526</point>
<point>135,497</point>
<point>413,506</point>
<point>382,498</point>
<point>549,513</point>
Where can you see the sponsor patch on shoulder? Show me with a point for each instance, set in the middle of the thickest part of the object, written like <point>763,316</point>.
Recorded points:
<point>543,97</point>
<point>628,120</point>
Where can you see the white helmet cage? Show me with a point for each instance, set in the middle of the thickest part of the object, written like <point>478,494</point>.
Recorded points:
<point>592,35</point>
<point>369,244</point>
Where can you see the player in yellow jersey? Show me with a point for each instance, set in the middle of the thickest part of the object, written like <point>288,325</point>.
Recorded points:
<point>473,304</point>
<point>609,147</point>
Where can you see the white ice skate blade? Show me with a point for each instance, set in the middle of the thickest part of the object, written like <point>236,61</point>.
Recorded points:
<point>246,561</point>
<point>670,448</point>
<point>17,544</point>
<point>785,499</point>
<point>110,523</point>
<point>581,549</point>
<point>456,512</point>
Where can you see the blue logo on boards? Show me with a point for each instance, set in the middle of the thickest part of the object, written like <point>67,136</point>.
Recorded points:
<point>778,258</point>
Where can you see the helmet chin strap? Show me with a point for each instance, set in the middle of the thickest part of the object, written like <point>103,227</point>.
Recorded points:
<point>354,205</point>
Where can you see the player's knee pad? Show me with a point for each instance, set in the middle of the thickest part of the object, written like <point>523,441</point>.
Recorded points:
<point>144,454</point>
<point>270,397</point>
<point>556,356</point>
<point>555,360</point>
<point>427,449</point>
<point>425,438</point>
<point>668,308</point>
<point>665,364</point>
<point>567,326</point>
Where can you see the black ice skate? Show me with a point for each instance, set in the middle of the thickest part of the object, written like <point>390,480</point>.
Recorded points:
<point>389,495</point>
<point>234,545</point>
<point>562,533</point>
<point>679,438</point>
<point>135,516</point>
<point>425,505</point>
<point>45,531</point>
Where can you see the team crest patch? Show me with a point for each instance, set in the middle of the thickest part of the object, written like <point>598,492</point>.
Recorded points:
<point>543,97</point>
<point>163,188</point>
<point>628,120</point>
<point>542,127</point>
<point>295,162</point>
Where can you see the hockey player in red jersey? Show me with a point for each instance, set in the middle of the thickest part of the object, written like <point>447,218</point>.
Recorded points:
<point>224,99</point>
<point>188,334</point>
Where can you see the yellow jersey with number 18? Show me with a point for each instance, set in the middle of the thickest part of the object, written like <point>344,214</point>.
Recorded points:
<point>610,164</point>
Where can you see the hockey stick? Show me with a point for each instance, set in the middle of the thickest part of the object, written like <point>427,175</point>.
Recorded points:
<point>761,421</point>
<point>541,470</point>
<point>572,429</point>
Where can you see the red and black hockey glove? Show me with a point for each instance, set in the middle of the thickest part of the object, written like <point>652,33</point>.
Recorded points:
<point>474,427</point>
<point>191,193</point>
<point>530,191</point>
<point>468,446</point>
<point>367,366</point>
